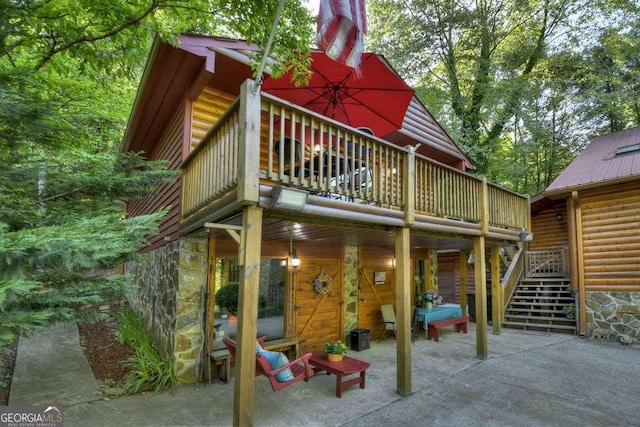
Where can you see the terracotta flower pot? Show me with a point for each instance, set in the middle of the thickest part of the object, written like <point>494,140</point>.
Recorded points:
<point>335,357</point>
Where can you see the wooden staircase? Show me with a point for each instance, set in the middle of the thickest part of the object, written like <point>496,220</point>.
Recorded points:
<point>537,304</point>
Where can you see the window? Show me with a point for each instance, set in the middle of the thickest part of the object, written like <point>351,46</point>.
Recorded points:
<point>628,149</point>
<point>271,299</point>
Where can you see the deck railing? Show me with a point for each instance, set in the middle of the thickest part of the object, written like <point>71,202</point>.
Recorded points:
<point>301,148</point>
<point>447,192</point>
<point>297,147</point>
<point>212,167</point>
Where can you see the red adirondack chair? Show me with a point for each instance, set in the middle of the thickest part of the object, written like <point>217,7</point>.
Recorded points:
<point>300,368</point>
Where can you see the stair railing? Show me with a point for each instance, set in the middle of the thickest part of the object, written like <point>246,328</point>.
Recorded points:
<point>512,276</point>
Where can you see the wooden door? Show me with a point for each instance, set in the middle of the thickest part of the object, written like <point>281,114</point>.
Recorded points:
<point>318,303</point>
<point>446,279</point>
<point>372,294</point>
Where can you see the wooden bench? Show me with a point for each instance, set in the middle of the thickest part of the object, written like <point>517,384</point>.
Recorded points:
<point>222,357</point>
<point>433,328</point>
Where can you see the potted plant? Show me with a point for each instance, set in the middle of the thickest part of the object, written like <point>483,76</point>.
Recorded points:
<point>569,311</point>
<point>335,350</point>
<point>430,298</point>
<point>227,298</point>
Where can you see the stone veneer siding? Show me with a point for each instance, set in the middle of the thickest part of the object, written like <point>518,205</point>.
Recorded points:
<point>613,315</point>
<point>168,297</point>
<point>153,297</point>
<point>350,290</point>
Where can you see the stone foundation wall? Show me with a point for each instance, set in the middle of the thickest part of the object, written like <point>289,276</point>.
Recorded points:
<point>350,290</point>
<point>170,282</point>
<point>155,279</point>
<point>192,283</point>
<point>613,316</point>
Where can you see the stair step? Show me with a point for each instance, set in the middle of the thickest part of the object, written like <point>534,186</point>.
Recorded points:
<point>544,298</point>
<point>544,280</point>
<point>544,285</point>
<point>528,310</point>
<point>560,291</point>
<point>539,326</point>
<point>538,303</point>
<point>515,317</point>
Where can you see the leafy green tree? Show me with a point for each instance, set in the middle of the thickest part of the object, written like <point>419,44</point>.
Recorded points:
<point>68,75</point>
<point>62,229</point>
<point>111,36</point>
<point>608,87</point>
<point>488,70</point>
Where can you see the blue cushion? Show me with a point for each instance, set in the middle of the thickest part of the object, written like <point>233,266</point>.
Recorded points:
<point>276,360</point>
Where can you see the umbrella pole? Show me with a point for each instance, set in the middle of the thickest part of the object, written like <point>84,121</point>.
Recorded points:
<point>258,81</point>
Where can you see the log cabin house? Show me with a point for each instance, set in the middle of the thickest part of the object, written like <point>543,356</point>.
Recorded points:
<point>589,220</point>
<point>365,235</point>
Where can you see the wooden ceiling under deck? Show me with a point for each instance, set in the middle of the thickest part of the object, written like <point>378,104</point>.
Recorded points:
<point>279,230</point>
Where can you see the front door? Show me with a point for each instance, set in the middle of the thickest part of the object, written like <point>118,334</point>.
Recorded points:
<point>318,302</point>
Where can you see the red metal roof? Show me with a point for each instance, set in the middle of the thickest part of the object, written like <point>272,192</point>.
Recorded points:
<point>599,164</point>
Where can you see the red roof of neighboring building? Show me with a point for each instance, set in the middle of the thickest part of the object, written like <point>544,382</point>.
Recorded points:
<point>613,157</point>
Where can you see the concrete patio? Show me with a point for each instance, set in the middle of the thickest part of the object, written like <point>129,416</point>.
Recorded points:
<point>530,378</point>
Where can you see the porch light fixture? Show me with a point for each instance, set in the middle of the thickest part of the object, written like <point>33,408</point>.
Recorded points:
<point>295,261</point>
<point>526,236</point>
<point>559,216</point>
<point>288,198</point>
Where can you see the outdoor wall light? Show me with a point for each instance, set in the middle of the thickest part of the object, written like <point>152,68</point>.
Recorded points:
<point>288,198</point>
<point>295,261</point>
<point>526,236</point>
<point>559,216</point>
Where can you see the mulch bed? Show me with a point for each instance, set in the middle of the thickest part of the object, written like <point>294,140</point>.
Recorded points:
<point>103,352</point>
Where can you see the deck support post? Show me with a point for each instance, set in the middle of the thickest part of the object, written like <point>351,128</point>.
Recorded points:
<point>245,363</point>
<point>403,310</point>
<point>248,140</point>
<point>479,267</point>
<point>496,291</point>
<point>410,186</point>
<point>579,244</point>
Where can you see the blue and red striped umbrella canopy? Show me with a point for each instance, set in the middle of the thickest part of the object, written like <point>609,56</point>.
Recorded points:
<point>378,99</point>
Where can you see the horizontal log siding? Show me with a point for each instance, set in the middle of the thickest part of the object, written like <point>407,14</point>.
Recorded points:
<point>169,148</point>
<point>548,232</point>
<point>206,111</point>
<point>212,167</point>
<point>611,236</point>
<point>446,192</point>
<point>418,121</point>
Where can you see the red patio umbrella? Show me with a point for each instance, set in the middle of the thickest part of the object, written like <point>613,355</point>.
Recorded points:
<point>377,100</point>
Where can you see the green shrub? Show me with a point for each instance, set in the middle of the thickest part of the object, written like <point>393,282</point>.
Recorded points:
<point>227,297</point>
<point>149,368</point>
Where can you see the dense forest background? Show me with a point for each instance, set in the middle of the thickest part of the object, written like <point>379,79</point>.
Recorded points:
<point>521,85</point>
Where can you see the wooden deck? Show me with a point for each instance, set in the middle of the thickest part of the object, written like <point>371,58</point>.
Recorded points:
<point>262,142</point>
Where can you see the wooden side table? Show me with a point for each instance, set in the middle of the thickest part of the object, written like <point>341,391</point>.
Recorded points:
<point>347,366</point>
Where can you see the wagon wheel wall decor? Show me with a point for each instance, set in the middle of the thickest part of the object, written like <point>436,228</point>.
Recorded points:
<point>323,283</point>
